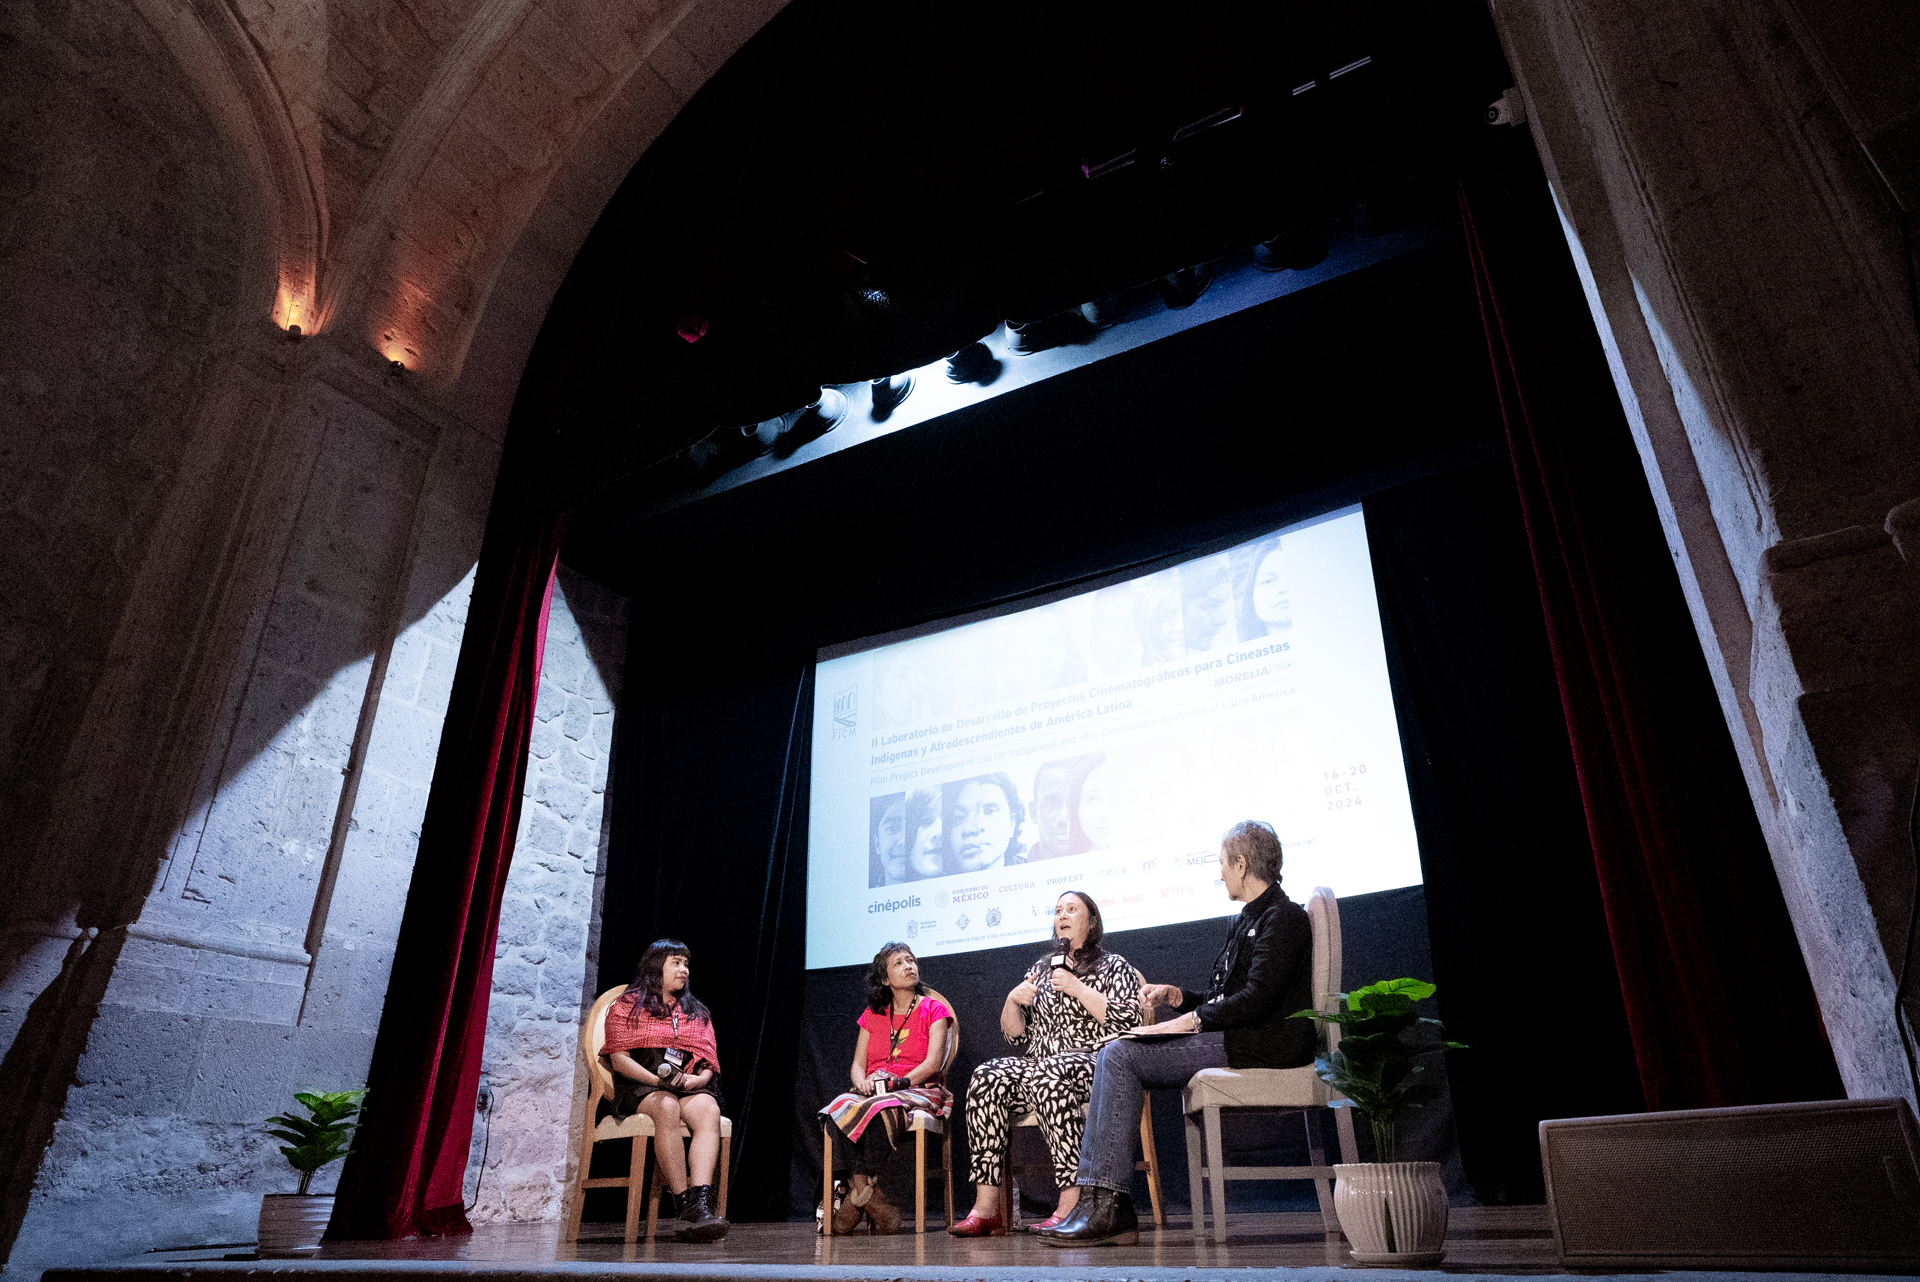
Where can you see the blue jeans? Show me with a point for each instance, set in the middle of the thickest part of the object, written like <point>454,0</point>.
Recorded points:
<point>1122,1073</point>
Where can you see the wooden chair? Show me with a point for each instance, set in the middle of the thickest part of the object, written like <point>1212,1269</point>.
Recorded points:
<point>638,1128</point>
<point>1150,1162</point>
<point>922,1124</point>
<point>1270,1089</point>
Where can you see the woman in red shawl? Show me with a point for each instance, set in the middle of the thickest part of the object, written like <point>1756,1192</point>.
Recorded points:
<point>660,1046</point>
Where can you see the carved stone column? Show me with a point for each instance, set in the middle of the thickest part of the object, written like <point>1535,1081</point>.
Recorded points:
<point>1742,261</point>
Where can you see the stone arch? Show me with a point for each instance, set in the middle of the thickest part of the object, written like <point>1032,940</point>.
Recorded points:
<point>466,233</point>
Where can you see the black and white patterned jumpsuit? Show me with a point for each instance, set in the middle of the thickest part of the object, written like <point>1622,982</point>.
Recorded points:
<point>1054,1074</point>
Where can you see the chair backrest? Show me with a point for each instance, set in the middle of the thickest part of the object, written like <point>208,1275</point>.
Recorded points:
<point>1148,1014</point>
<point>1323,914</point>
<point>593,1035</point>
<point>953,1041</point>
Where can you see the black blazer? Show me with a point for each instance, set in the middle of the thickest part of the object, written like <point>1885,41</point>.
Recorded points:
<point>1264,974</point>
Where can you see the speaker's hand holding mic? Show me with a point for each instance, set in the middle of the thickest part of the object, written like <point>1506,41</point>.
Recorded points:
<point>1064,980</point>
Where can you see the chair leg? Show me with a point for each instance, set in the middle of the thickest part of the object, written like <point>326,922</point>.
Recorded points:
<point>580,1179</point>
<point>826,1180</point>
<point>1151,1160</point>
<point>1218,1156</point>
<point>726,1164</point>
<point>653,1202</point>
<point>1343,1123</point>
<point>636,1187</point>
<point>946,1167</point>
<point>1196,1196</point>
<point>1006,1190</point>
<point>920,1181</point>
<point>1317,1157</point>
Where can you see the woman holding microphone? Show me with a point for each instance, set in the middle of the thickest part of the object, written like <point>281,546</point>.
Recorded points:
<point>1072,1000</point>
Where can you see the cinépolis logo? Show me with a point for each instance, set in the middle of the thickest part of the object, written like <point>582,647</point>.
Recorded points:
<point>893,905</point>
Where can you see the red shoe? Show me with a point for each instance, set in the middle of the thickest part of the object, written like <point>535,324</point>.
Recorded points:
<point>978,1225</point>
<point>1051,1222</point>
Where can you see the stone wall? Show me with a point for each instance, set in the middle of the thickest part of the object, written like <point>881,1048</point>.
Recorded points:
<point>1743,263</point>
<point>546,960</point>
<point>256,961</point>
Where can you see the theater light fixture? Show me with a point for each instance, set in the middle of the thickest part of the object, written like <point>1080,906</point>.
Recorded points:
<point>888,393</point>
<point>1062,329</point>
<point>974,363</point>
<point>1184,287</point>
<point>1104,313</point>
<point>1293,250</point>
<point>813,422</point>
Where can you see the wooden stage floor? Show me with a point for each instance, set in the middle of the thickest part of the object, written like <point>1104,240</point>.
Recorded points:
<point>1486,1242</point>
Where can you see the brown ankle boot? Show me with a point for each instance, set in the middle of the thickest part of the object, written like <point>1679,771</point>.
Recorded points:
<point>846,1217</point>
<point>881,1213</point>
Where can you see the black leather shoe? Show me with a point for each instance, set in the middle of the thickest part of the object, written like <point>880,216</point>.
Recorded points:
<point>1075,1218</point>
<point>698,1223</point>
<point>1109,1221</point>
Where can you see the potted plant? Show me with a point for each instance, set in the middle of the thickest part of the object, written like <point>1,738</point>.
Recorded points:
<point>1393,1212</point>
<point>293,1223</point>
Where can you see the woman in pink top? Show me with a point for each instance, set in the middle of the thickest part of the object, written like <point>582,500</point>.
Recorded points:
<point>896,1071</point>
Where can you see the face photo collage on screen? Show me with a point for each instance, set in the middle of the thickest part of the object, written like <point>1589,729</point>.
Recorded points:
<point>962,780</point>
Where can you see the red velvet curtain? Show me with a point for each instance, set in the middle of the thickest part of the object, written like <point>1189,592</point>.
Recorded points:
<point>1718,1002</point>
<point>408,1168</point>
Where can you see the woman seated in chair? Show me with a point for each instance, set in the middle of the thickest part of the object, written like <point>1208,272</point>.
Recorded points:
<point>1072,1000</point>
<point>665,1064</point>
<point>1244,1020</point>
<point>897,1070</point>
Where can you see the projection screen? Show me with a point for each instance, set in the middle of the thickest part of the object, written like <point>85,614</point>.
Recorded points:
<point>963,779</point>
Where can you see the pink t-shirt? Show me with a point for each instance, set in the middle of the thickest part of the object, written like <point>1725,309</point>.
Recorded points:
<point>899,1046</point>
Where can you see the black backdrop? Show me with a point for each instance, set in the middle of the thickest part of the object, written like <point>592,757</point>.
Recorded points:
<point>1370,387</point>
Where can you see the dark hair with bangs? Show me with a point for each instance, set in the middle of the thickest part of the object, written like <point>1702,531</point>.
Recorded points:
<point>647,981</point>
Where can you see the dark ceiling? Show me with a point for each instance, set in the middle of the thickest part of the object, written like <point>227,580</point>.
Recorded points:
<point>868,186</point>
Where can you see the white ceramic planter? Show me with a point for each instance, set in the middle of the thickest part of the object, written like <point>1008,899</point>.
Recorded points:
<point>1392,1212</point>
<point>291,1224</point>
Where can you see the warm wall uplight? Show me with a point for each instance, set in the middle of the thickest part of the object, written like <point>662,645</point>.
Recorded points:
<point>293,306</point>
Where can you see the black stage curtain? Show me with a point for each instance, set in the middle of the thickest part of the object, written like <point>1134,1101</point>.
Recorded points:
<point>709,834</point>
<point>1520,947</point>
<point>709,846</point>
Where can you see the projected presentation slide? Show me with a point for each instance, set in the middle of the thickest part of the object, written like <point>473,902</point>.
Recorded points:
<point>962,780</point>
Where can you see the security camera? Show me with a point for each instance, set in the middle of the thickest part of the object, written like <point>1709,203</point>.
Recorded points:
<point>1507,109</point>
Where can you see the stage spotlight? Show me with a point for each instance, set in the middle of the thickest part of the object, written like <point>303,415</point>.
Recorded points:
<point>1062,329</point>
<point>1293,250</point>
<point>1184,287</point>
<point>1104,313</point>
<point>759,437</point>
<point>813,422</point>
<point>888,393</point>
<point>973,363</point>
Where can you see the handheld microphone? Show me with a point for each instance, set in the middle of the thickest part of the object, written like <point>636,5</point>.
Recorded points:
<point>1062,956</point>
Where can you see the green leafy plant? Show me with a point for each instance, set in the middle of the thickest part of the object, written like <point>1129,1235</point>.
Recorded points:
<point>314,1141</point>
<point>1374,1066</point>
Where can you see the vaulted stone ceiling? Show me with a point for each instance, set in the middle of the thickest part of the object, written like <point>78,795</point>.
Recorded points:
<point>396,152</point>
